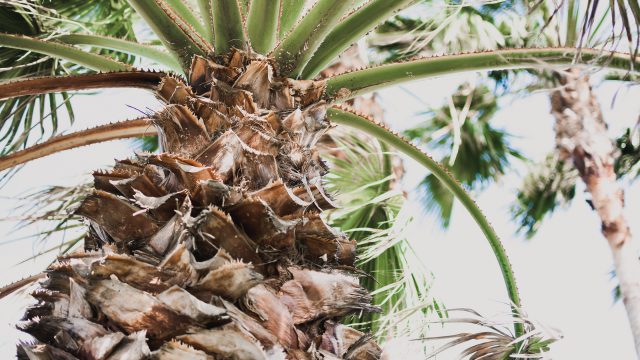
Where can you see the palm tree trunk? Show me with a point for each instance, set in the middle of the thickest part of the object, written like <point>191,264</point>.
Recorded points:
<point>581,136</point>
<point>215,248</point>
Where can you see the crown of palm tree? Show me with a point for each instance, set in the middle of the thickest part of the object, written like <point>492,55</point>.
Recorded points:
<point>216,247</point>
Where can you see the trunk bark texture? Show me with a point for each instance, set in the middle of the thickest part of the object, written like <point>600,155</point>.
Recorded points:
<point>581,136</point>
<point>215,248</point>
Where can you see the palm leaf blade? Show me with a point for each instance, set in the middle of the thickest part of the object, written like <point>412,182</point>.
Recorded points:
<point>349,30</point>
<point>66,52</point>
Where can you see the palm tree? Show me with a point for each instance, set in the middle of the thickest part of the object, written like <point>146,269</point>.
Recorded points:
<point>583,147</point>
<point>216,247</point>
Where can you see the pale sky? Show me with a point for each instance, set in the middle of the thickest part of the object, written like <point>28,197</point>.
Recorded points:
<point>563,273</point>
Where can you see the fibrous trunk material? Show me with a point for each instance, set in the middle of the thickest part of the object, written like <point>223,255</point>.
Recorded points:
<point>215,248</point>
<point>581,137</point>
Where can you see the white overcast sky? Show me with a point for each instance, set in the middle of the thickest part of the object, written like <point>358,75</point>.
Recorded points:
<point>563,273</point>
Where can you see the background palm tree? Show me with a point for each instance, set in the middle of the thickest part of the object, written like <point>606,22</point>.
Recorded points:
<point>583,147</point>
<point>217,246</point>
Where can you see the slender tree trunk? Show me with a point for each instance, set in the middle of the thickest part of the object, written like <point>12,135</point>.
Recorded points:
<point>581,136</point>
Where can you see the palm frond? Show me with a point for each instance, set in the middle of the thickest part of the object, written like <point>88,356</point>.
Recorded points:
<point>450,29</point>
<point>371,213</point>
<point>548,185</point>
<point>494,340</point>
<point>475,152</point>
<point>25,116</point>
<point>627,162</point>
<point>51,208</point>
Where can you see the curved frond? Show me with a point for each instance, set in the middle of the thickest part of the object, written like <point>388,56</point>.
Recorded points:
<point>62,51</point>
<point>124,46</point>
<point>121,130</point>
<point>348,85</point>
<point>348,118</point>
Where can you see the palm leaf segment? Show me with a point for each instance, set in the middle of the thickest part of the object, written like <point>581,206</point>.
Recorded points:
<point>372,212</point>
<point>548,185</point>
<point>476,152</point>
<point>224,227</point>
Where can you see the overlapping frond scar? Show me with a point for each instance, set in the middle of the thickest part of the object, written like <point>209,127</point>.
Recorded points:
<point>216,247</point>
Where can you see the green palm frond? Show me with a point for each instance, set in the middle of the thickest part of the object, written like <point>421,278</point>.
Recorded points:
<point>24,116</point>
<point>371,213</point>
<point>548,185</point>
<point>452,29</point>
<point>147,143</point>
<point>475,152</point>
<point>629,157</point>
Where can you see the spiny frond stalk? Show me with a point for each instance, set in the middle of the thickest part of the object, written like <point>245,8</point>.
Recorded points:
<point>177,36</point>
<point>345,86</point>
<point>348,31</point>
<point>62,51</point>
<point>17,285</point>
<point>290,11</point>
<point>262,24</point>
<point>121,130</point>
<point>346,117</point>
<point>146,51</point>
<point>49,84</point>
<point>228,25</point>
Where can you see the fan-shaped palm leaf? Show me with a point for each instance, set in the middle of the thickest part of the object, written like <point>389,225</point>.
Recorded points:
<point>476,152</point>
<point>548,185</point>
<point>370,212</point>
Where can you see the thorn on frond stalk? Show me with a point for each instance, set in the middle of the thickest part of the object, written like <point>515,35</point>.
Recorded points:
<point>348,117</point>
<point>17,285</point>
